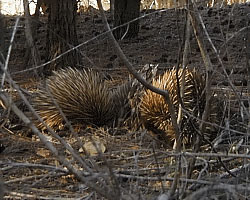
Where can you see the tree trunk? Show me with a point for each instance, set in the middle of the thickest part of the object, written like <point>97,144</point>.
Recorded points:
<point>248,64</point>
<point>125,11</point>
<point>112,9</point>
<point>42,4</point>
<point>31,48</point>
<point>61,34</point>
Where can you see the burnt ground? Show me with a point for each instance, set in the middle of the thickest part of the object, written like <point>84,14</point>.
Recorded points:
<point>31,172</point>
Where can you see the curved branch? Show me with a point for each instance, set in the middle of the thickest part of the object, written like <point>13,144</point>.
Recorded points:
<point>164,93</point>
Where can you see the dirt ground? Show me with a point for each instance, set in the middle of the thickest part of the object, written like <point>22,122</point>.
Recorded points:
<point>30,171</point>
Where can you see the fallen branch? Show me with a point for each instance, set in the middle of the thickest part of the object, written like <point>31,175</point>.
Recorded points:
<point>147,85</point>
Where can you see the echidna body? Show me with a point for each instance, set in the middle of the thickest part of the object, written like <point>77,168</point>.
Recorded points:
<point>120,95</point>
<point>82,96</point>
<point>155,111</point>
<point>127,96</point>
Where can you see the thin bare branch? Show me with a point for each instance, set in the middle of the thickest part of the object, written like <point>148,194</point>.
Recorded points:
<point>147,85</point>
<point>9,51</point>
<point>29,37</point>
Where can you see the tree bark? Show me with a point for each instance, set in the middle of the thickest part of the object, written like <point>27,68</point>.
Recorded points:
<point>125,11</point>
<point>37,10</point>
<point>112,9</point>
<point>31,48</point>
<point>61,34</point>
<point>248,64</point>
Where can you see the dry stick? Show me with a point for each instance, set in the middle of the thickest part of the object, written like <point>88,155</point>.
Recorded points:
<point>35,178</point>
<point>187,42</point>
<point>215,125</point>
<point>112,176</point>
<point>184,180</point>
<point>181,88</point>
<point>247,40</point>
<point>104,33</point>
<point>248,64</point>
<point>222,65</point>
<point>50,146</point>
<point>40,166</point>
<point>86,42</point>
<point>68,124</point>
<point>238,170</point>
<point>80,142</point>
<point>65,144</point>
<point>131,173</point>
<point>9,51</point>
<point>28,33</point>
<point>208,65</point>
<point>6,112</point>
<point>19,195</point>
<point>5,67</point>
<point>203,50</point>
<point>208,96</point>
<point>184,64</point>
<point>164,93</point>
<point>204,192</point>
<point>158,169</point>
<point>209,155</point>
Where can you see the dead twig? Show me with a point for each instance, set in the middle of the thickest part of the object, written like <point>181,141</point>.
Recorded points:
<point>248,65</point>
<point>35,178</point>
<point>35,196</point>
<point>205,191</point>
<point>41,166</point>
<point>147,85</point>
<point>193,12</point>
<point>9,52</point>
<point>6,100</point>
<point>247,112</point>
<point>51,147</point>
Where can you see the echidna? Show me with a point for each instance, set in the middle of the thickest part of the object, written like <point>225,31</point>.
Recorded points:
<point>121,100</point>
<point>82,95</point>
<point>155,112</point>
<point>127,96</point>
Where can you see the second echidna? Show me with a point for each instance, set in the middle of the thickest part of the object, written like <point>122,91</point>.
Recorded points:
<point>82,96</point>
<point>155,112</point>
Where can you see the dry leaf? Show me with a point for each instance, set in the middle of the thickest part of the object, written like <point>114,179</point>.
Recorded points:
<point>43,152</point>
<point>92,147</point>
